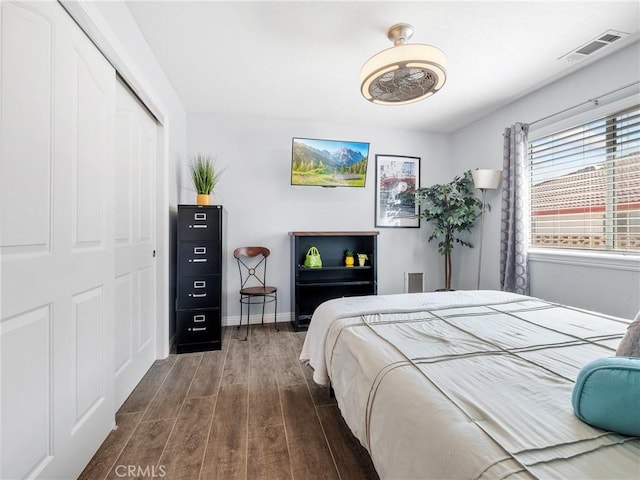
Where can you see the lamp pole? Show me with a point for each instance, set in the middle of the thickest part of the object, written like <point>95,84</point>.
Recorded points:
<point>484,180</point>
<point>484,193</point>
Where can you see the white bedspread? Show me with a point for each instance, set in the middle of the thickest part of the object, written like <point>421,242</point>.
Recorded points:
<point>468,384</point>
<point>313,348</point>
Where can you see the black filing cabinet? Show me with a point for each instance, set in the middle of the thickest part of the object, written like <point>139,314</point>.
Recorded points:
<point>199,273</point>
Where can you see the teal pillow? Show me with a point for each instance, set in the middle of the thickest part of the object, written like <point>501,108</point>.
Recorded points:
<point>607,395</point>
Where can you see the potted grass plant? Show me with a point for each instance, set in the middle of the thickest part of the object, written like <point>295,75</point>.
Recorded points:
<point>451,208</point>
<point>204,176</point>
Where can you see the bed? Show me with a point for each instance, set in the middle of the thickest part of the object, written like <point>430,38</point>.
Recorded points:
<point>468,384</point>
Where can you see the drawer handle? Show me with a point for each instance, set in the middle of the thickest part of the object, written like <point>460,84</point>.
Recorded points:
<point>198,295</point>
<point>198,260</point>
<point>198,329</point>
<point>198,318</point>
<point>197,226</point>
<point>200,216</point>
<point>199,284</point>
<point>199,250</point>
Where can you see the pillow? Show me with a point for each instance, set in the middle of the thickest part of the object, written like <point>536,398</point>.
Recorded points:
<point>607,395</point>
<point>630,344</point>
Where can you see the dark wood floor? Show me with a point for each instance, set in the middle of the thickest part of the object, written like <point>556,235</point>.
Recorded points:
<point>249,411</point>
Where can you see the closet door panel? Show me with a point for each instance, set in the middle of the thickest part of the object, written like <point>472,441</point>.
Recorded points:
<point>26,226</point>
<point>88,341</point>
<point>127,136</point>
<point>26,102</point>
<point>146,179</point>
<point>135,164</point>
<point>57,261</point>
<point>90,112</point>
<point>26,370</point>
<point>146,309</point>
<point>84,192</point>
<point>123,323</point>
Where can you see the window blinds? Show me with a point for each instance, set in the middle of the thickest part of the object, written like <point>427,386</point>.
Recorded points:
<point>585,185</point>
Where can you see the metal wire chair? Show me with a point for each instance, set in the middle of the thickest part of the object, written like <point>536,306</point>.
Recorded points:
<point>252,265</point>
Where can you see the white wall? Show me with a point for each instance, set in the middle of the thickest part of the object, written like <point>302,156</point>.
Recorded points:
<point>261,206</point>
<point>257,152</point>
<point>125,36</point>
<point>479,145</point>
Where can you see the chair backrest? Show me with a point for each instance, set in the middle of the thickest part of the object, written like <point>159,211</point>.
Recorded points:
<point>252,265</point>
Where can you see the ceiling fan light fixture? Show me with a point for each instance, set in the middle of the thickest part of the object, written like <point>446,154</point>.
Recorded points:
<point>404,73</point>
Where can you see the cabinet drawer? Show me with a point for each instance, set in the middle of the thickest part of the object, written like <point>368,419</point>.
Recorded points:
<point>199,326</point>
<point>198,291</point>
<point>196,258</point>
<point>198,223</point>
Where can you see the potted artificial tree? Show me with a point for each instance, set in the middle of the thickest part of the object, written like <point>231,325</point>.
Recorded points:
<point>451,208</point>
<point>204,177</point>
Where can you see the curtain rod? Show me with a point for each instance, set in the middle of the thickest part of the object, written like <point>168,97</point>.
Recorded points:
<point>591,100</point>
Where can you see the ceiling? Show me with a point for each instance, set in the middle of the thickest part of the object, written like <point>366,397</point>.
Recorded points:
<point>301,60</point>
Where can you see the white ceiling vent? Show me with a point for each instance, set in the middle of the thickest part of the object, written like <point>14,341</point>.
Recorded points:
<point>598,43</point>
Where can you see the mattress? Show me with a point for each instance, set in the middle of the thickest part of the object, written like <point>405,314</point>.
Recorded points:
<point>468,384</point>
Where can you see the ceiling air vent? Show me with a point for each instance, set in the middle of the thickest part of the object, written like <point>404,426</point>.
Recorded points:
<point>598,43</point>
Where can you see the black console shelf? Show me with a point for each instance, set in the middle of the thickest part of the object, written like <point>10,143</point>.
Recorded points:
<point>312,286</point>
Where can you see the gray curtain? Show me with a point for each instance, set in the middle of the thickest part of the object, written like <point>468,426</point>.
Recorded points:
<point>514,273</point>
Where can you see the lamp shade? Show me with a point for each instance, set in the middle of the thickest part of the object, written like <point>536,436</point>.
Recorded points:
<point>486,179</point>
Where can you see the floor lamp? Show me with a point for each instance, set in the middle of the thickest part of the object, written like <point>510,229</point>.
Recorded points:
<point>484,180</point>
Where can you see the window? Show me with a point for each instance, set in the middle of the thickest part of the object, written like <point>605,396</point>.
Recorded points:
<point>585,185</point>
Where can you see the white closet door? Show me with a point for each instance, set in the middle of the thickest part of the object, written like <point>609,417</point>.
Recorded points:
<point>56,243</point>
<point>135,319</point>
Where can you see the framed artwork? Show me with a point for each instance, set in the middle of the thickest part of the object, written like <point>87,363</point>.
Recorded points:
<point>396,178</point>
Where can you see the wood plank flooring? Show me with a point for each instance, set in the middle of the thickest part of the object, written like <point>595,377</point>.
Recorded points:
<point>249,411</point>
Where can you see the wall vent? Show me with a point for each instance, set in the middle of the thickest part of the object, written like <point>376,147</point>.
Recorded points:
<point>594,45</point>
<point>414,282</point>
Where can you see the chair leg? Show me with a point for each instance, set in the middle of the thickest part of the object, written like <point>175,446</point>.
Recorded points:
<point>275,313</point>
<point>248,313</point>
<point>240,324</point>
<point>264,300</point>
